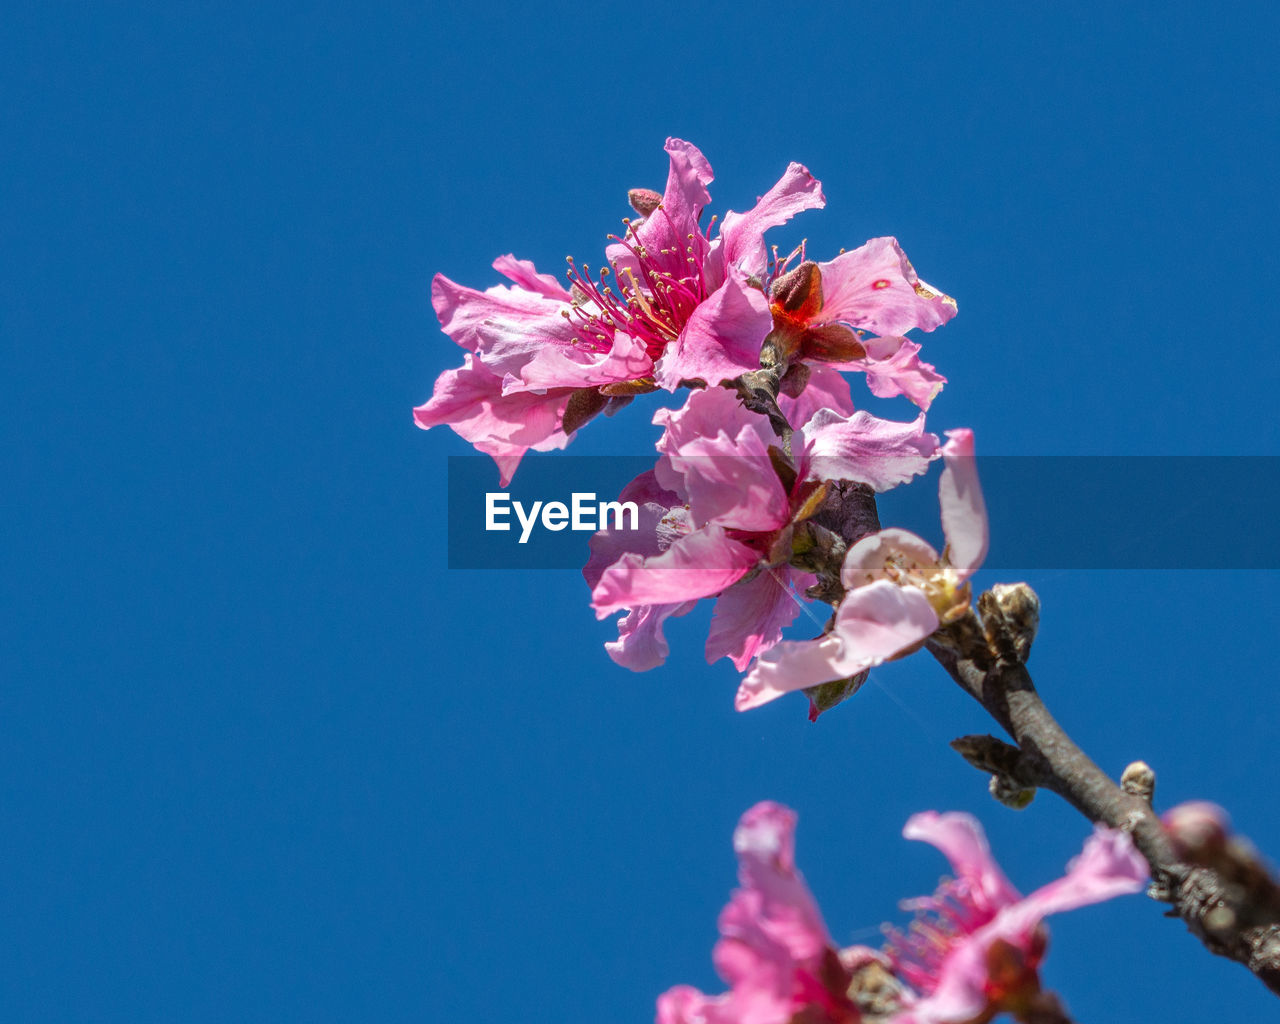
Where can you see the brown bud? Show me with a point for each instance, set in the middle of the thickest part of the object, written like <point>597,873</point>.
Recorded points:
<point>794,381</point>
<point>1199,830</point>
<point>584,404</point>
<point>644,200</point>
<point>1010,617</point>
<point>1139,780</point>
<point>798,292</point>
<point>832,343</point>
<point>1010,793</point>
<point>825,696</point>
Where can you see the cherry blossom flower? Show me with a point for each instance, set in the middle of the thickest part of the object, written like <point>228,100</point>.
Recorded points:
<point>725,500</point>
<point>774,949</point>
<point>899,591</point>
<point>973,951</point>
<point>543,359</point>
<point>975,947</point>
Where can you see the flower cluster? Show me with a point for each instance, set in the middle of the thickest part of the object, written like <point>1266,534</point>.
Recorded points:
<point>763,499</point>
<point>748,502</point>
<point>972,952</point>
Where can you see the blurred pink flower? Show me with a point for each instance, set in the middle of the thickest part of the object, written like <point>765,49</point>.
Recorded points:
<point>976,945</point>
<point>774,950</point>
<point>899,591</point>
<point>972,952</point>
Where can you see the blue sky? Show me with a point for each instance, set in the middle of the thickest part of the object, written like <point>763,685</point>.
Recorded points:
<point>264,757</point>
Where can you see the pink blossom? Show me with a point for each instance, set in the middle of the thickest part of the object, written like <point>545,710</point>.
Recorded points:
<point>973,951</point>
<point>661,569</point>
<point>824,312</point>
<point>470,400</point>
<point>680,307</point>
<point>899,591</point>
<point>976,945</point>
<point>774,950</point>
<point>731,504</point>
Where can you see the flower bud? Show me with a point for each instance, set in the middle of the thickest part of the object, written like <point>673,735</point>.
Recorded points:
<point>798,292</point>
<point>644,200</point>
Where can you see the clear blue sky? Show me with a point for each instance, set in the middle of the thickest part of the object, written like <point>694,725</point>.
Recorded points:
<point>264,758</point>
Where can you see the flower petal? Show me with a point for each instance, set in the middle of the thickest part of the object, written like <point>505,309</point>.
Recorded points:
<point>558,362</point>
<point>505,327</point>
<point>873,623</point>
<point>964,512</point>
<point>875,288</point>
<point>731,482</point>
<point>826,388</point>
<point>893,367</point>
<point>867,449</point>
<point>741,242</point>
<point>1108,866</point>
<point>792,665</point>
<point>526,275</point>
<point>699,565</point>
<point>867,559</point>
<point>751,615</point>
<point>960,838</point>
<point>765,844</point>
<point>664,234</point>
<point>470,401</point>
<point>662,519</point>
<point>641,644</point>
<point>722,338</point>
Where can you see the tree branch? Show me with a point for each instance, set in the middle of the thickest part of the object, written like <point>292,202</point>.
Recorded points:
<point>1220,890</point>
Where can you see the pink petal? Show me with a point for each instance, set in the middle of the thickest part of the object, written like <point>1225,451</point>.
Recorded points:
<point>960,994</point>
<point>873,623</point>
<point>687,180</point>
<point>866,560</point>
<point>722,338</point>
<point>771,931</point>
<point>686,1005</point>
<point>1108,866</point>
<point>827,389</point>
<point>662,519</point>
<point>875,288</point>
<point>741,243</point>
<point>893,367</point>
<point>765,844</point>
<point>962,841</point>
<point>665,232</point>
<point>866,449</point>
<point>705,413</point>
<point>964,513</point>
<point>641,645</point>
<point>557,363</point>
<point>731,482</point>
<point>523,273</point>
<point>881,620</point>
<point>751,615</point>
<point>699,565</point>
<point>792,665</point>
<point>505,327</point>
<point>469,400</point>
